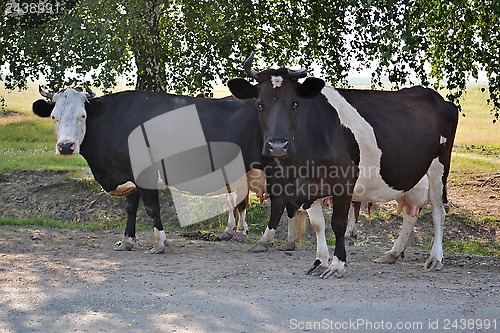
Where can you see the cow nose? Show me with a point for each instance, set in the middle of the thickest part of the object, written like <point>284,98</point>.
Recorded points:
<point>277,147</point>
<point>66,148</point>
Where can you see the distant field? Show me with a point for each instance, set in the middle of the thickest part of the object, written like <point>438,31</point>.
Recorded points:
<point>477,127</point>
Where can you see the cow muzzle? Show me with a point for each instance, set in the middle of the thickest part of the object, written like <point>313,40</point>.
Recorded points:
<point>66,147</point>
<point>276,147</point>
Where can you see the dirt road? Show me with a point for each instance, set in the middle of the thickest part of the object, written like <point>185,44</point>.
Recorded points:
<point>54,280</point>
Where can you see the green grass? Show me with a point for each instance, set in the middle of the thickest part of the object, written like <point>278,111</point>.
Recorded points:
<point>466,164</point>
<point>491,220</point>
<point>476,128</point>
<point>39,222</point>
<point>91,226</point>
<point>471,246</point>
<point>29,143</point>
<point>257,215</point>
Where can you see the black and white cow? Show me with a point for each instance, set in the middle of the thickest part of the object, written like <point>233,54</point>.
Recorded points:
<point>362,145</point>
<point>98,129</point>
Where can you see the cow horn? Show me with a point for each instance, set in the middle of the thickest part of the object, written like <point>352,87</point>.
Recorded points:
<point>44,94</point>
<point>298,74</point>
<point>90,93</point>
<point>248,66</point>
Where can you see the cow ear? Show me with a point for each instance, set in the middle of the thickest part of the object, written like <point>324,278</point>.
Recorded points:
<point>242,89</point>
<point>42,108</point>
<point>95,108</point>
<point>311,87</point>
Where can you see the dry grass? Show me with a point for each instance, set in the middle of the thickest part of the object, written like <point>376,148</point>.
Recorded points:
<point>477,127</point>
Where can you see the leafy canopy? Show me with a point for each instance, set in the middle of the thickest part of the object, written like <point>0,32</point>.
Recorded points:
<point>186,45</point>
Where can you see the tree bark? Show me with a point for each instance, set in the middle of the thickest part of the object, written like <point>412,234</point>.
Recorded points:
<point>147,48</point>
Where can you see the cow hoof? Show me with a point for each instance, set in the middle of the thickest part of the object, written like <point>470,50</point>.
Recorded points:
<point>156,250</point>
<point>260,247</point>
<point>387,258</point>
<point>124,245</point>
<point>433,264</point>
<point>287,246</point>
<point>336,272</point>
<point>317,268</point>
<point>238,238</point>
<point>336,268</point>
<point>225,236</point>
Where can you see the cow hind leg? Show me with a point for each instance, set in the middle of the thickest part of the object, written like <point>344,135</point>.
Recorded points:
<point>350,232</point>
<point>399,246</point>
<point>436,188</point>
<point>296,229</point>
<point>152,204</point>
<point>228,233</point>
<point>242,227</point>
<point>131,206</point>
<point>318,224</point>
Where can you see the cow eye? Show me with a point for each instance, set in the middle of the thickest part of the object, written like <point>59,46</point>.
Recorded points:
<point>82,117</point>
<point>260,107</point>
<point>295,106</point>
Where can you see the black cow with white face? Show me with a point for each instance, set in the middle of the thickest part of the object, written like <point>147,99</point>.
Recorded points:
<point>98,128</point>
<point>368,146</point>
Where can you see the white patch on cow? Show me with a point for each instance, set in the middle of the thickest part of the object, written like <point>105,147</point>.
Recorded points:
<point>370,187</point>
<point>160,238</point>
<point>242,222</point>
<point>435,175</point>
<point>268,236</point>
<point>317,220</point>
<point>276,81</point>
<point>442,140</point>
<point>351,222</point>
<point>231,223</point>
<point>69,117</point>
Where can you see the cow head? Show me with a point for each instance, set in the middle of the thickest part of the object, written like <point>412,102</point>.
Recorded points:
<point>68,112</point>
<point>279,99</point>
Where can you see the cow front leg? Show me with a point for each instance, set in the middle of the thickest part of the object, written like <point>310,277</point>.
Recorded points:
<point>131,206</point>
<point>151,201</point>
<point>340,214</point>
<point>318,223</point>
